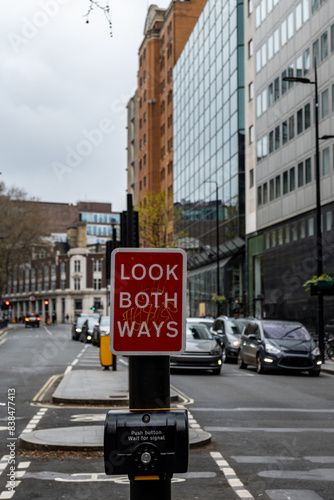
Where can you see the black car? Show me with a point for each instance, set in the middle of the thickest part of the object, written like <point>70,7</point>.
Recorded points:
<point>77,327</point>
<point>100,329</point>
<point>86,334</point>
<point>269,344</point>
<point>32,321</point>
<point>202,351</point>
<point>229,331</point>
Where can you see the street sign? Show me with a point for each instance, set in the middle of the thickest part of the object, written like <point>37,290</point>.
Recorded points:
<point>148,301</point>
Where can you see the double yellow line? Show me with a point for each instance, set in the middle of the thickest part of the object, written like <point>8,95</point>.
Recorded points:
<point>38,398</point>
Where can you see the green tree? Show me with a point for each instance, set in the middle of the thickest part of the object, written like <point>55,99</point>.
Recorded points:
<point>22,232</point>
<point>157,221</point>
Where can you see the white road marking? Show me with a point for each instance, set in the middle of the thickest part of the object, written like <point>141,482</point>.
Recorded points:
<point>231,476</point>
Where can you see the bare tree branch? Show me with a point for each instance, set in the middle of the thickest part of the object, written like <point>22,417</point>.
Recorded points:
<point>104,7</point>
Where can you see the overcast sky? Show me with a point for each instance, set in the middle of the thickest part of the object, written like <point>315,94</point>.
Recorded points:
<point>64,86</point>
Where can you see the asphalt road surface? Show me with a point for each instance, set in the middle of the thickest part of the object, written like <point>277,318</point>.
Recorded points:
<point>272,434</point>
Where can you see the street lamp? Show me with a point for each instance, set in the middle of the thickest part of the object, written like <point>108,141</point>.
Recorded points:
<point>217,238</point>
<point>320,308</point>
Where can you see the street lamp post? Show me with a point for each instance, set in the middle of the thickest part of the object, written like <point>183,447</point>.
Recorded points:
<point>319,250</point>
<point>217,240</point>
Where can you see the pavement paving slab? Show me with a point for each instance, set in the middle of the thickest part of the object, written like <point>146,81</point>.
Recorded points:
<point>96,387</point>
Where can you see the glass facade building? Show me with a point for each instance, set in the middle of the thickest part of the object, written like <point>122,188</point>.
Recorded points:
<point>209,131</point>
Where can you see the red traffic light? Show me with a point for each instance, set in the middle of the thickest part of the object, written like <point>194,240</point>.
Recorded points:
<point>7,303</point>
<point>46,302</point>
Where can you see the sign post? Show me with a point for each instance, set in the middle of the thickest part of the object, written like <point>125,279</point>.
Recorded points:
<point>148,315</point>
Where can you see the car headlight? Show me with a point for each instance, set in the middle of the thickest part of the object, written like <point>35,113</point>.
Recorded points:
<point>316,351</point>
<point>271,349</point>
<point>236,343</point>
<point>216,350</point>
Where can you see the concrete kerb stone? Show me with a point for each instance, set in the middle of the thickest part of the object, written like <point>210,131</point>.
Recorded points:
<point>88,437</point>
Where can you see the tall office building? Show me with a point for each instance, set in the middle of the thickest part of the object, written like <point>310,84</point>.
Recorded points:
<point>165,34</point>
<point>208,88</point>
<point>288,39</point>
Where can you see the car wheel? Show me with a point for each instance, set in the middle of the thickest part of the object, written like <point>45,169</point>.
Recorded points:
<point>259,364</point>
<point>241,363</point>
<point>314,373</point>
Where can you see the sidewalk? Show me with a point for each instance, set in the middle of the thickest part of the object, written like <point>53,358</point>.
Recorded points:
<point>92,388</point>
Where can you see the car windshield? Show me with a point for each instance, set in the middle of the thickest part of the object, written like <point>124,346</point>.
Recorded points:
<point>92,322</point>
<point>80,321</point>
<point>198,332</point>
<point>284,331</point>
<point>105,321</point>
<point>232,326</point>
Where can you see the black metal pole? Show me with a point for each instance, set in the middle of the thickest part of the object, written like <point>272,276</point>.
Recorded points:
<point>149,389</point>
<point>320,298</point>
<point>217,243</point>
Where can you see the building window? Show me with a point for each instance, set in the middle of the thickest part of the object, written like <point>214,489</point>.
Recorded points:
<point>285,132</point>
<point>329,221</point>
<point>97,266</point>
<point>299,121</point>
<point>265,193</point>
<point>287,234</point>
<point>324,103</point>
<point>276,85</point>
<point>250,48</point>
<point>306,61</point>
<point>259,196</point>
<point>325,161</point>
<point>271,141</point>
<point>308,172</point>
<point>311,226</point>
<point>271,190</point>
<point>78,304</point>
<point>298,16</point>
<point>76,283</point>
<point>315,50</point>
<point>251,134</point>
<point>284,83</point>
<point>285,182</point>
<point>302,229</point>
<point>62,267</point>
<point>62,284</point>
<point>250,7</point>
<point>251,91</point>
<point>278,186</point>
<point>307,115</point>
<point>292,179</point>
<point>324,45</point>
<point>300,174</point>
<point>77,266</point>
<point>277,138</point>
<point>97,284</point>
<point>315,5</point>
<point>332,38</point>
<point>294,232</point>
<point>271,94</point>
<point>251,178</point>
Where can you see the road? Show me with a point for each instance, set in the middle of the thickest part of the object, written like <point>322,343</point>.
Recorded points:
<point>272,435</point>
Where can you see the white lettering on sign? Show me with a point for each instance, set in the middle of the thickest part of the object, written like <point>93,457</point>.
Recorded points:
<point>138,272</point>
<point>124,329</point>
<point>142,299</point>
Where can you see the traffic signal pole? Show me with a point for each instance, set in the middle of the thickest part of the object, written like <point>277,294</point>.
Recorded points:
<point>149,388</point>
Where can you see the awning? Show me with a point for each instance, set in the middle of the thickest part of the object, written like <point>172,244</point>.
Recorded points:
<point>209,267</point>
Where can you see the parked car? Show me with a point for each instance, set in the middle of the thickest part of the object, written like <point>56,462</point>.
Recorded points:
<point>269,344</point>
<point>32,320</point>
<point>101,328</point>
<point>77,327</point>
<point>229,331</point>
<point>202,351</point>
<point>86,334</point>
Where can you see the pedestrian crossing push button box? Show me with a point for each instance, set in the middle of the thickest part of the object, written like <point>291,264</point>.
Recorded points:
<point>146,443</point>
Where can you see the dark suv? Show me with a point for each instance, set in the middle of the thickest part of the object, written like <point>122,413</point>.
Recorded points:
<point>32,320</point>
<point>228,330</point>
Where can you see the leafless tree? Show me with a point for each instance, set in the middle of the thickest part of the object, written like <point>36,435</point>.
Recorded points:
<point>102,5</point>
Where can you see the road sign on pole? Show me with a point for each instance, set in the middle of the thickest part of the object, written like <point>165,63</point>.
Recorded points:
<point>148,301</point>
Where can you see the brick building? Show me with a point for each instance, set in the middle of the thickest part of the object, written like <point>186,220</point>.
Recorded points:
<point>165,34</point>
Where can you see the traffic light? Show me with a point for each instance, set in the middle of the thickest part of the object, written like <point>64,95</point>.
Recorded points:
<point>46,302</point>
<point>93,308</point>
<point>7,304</point>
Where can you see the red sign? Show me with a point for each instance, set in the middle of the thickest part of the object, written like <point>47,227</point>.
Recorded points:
<point>148,301</point>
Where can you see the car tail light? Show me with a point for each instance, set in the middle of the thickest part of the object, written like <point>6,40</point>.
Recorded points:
<point>38,318</point>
